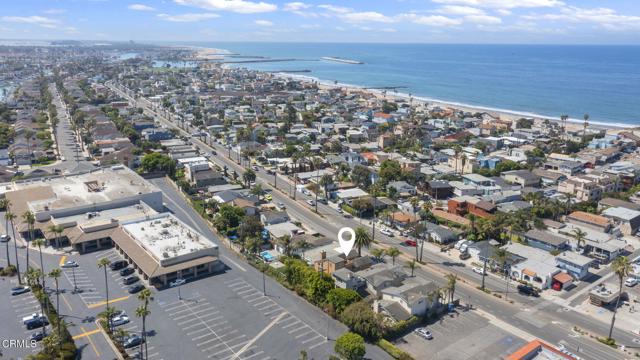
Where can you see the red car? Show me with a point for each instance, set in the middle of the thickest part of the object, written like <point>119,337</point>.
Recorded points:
<point>411,243</point>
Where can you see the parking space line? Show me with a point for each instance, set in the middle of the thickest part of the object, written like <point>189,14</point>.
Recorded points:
<point>187,309</point>
<point>227,282</point>
<point>290,325</point>
<point>262,332</point>
<point>253,355</point>
<point>258,293</point>
<point>311,339</point>
<point>95,349</point>
<point>226,343</point>
<point>193,313</point>
<point>240,287</point>
<point>272,311</point>
<point>245,291</point>
<point>262,302</point>
<point>316,345</point>
<point>268,306</point>
<point>303,334</point>
<point>88,333</point>
<point>252,300</point>
<point>297,329</point>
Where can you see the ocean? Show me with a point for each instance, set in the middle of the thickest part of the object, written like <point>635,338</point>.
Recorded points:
<point>548,80</point>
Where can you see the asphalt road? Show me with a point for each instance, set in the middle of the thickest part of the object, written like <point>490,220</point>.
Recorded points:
<point>539,317</point>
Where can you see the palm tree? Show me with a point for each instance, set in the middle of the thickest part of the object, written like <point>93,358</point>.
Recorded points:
<point>286,244</point>
<point>6,204</point>
<point>377,253</point>
<point>57,230</point>
<point>9,216</point>
<point>393,252</point>
<point>55,274</point>
<point>248,177</point>
<point>108,314</point>
<point>501,256</point>
<point>452,279</point>
<point>412,265</point>
<point>580,236</point>
<point>103,263</point>
<point>326,181</point>
<point>586,124</point>
<point>295,158</point>
<point>257,191</point>
<point>39,243</point>
<point>621,266</point>
<point>362,239</point>
<point>316,165</point>
<point>143,312</point>
<point>30,219</point>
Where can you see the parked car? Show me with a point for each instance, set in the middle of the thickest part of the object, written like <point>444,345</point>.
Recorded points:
<point>423,333</point>
<point>120,320</point>
<point>631,282</point>
<point>255,168</point>
<point>527,290</point>
<point>126,271</point>
<point>386,232</point>
<point>459,243</point>
<point>479,270</point>
<point>36,323</point>
<point>464,247</point>
<point>322,201</point>
<point>130,280</point>
<point>69,264</point>
<point>177,282</point>
<point>306,192</point>
<point>33,316</point>
<point>339,210</point>
<point>131,341</point>
<point>19,290</point>
<point>311,202</point>
<point>117,265</point>
<point>4,238</point>
<point>280,206</point>
<point>37,336</point>
<point>347,215</point>
<point>268,197</point>
<point>135,288</point>
<point>464,256</point>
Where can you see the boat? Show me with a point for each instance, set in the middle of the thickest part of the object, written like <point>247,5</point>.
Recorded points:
<point>341,60</point>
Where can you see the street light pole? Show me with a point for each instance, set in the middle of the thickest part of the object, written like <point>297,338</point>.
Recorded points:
<point>264,290</point>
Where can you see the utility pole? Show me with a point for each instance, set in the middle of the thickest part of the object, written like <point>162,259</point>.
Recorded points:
<point>484,271</point>
<point>264,290</point>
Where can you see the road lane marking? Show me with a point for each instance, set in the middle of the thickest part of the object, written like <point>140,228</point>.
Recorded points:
<point>64,298</point>
<point>62,260</point>
<point>87,333</point>
<point>234,263</point>
<point>95,305</point>
<point>95,349</point>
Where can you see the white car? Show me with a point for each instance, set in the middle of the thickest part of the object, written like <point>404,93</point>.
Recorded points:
<point>631,282</point>
<point>280,206</point>
<point>70,264</point>
<point>424,333</point>
<point>177,282</point>
<point>479,270</point>
<point>306,192</point>
<point>311,202</point>
<point>459,244</point>
<point>120,320</point>
<point>387,232</point>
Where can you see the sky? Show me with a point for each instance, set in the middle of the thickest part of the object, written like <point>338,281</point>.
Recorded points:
<point>407,21</point>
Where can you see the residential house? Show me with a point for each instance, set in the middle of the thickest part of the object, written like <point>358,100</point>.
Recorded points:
<point>591,221</point>
<point>545,240</point>
<point>627,220</point>
<point>524,178</point>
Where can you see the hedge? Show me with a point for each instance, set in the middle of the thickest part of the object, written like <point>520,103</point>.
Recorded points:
<point>393,350</point>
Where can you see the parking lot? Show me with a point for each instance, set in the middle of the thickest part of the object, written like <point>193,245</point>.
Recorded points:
<point>12,327</point>
<point>462,337</point>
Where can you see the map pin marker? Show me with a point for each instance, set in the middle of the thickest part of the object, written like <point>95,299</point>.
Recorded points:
<point>346,245</point>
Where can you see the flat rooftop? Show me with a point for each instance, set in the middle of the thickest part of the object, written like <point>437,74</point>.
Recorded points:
<point>124,213</point>
<point>168,239</point>
<point>95,187</point>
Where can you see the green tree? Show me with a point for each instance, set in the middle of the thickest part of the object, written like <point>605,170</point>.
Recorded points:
<point>580,236</point>
<point>350,346</point>
<point>393,252</point>
<point>30,219</point>
<point>361,319</point>
<point>228,217</point>
<point>39,243</point>
<point>452,279</point>
<point>317,285</point>
<point>341,298</point>
<point>390,170</point>
<point>326,181</point>
<point>621,266</point>
<point>104,263</point>
<point>144,312</point>
<point>286,244</point>
<point>362,239</point>
<point>158,162</point>
<point>248,177</point>
<point>5,204</point>
<point>55,275</point>
<point>412,266</point>
<point>377,253</point>
<point>10,217</point>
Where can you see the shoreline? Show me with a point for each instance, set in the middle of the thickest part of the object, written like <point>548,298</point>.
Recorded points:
<point>507,114</point>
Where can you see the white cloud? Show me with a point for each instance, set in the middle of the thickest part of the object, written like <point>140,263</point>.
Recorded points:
<point>504,12</point>
<point>503,4</point>
<point>71,30</point>
<point>263,23</point>
<point>336,9</point>
<point>431,20</point>
<point>483,19</point>
<point>55,11</point>
<point>367,16</point>
<point>238,6</point>
<point>34,19</point>
<point>189,17</point>
<point>603,17</point>
<point>459,10</point>
<point>296,6</point>
<point>140,7</point>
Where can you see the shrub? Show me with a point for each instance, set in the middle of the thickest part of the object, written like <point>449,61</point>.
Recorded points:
<point>393,350</point>
<point>341,298</point>
<point>362,320</point>
<point>608,341</point>
<point>350,346</point>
